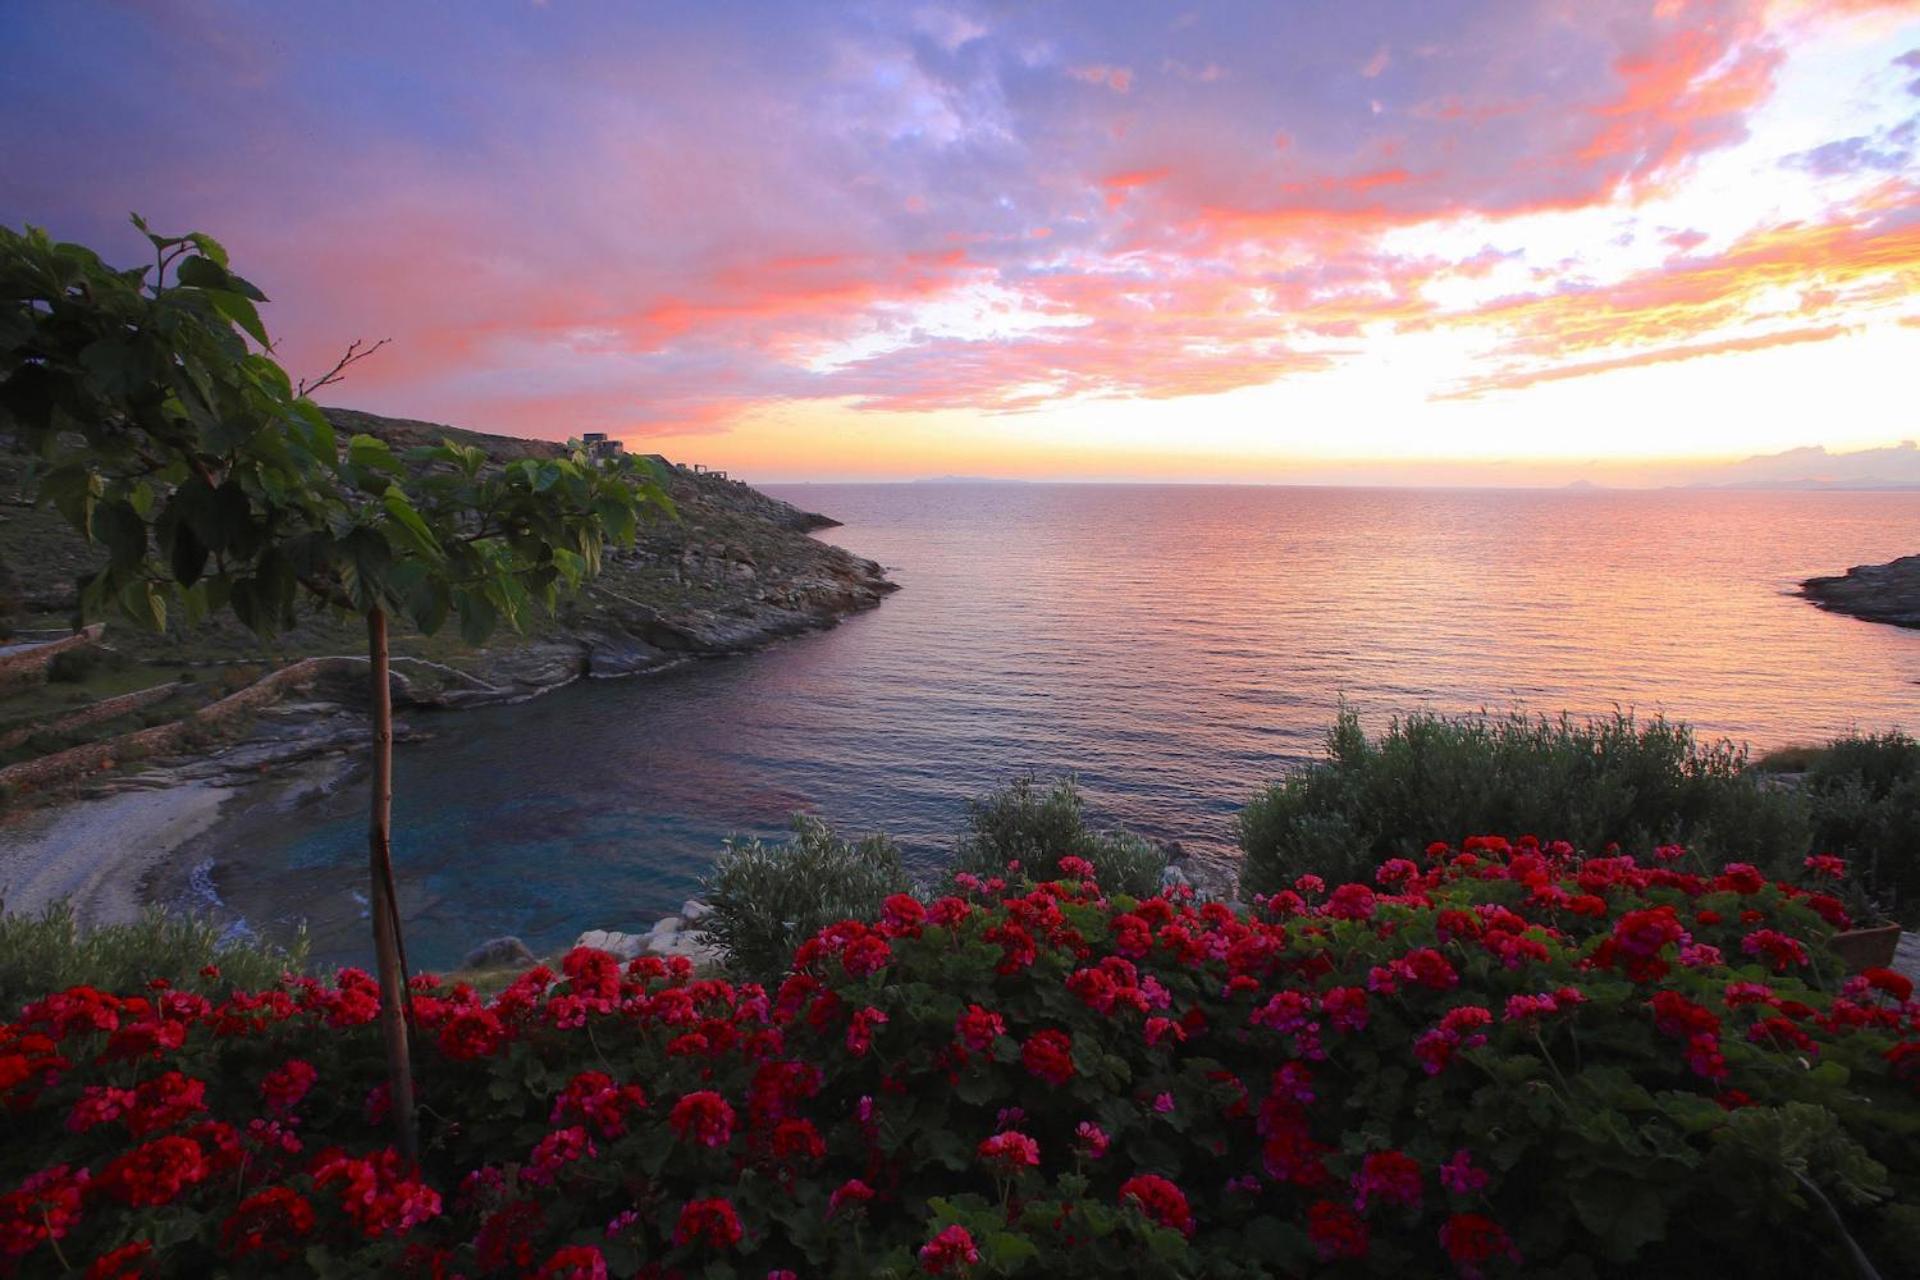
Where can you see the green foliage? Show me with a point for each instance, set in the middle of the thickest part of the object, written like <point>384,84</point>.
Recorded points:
<point>51,952</point>
<point>767,899</point>
<point>1864,793</point>
<point>1021,824</point>
<point>168,436</point>
<point>1436,777</point>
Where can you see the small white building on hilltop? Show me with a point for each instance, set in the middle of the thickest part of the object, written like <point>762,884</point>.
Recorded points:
<point>599,445</point>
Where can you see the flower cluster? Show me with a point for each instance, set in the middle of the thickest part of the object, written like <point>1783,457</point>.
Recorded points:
<point>1495,1057</point>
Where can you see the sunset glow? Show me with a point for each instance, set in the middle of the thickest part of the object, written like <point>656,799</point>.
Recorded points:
<point>1470,243</point>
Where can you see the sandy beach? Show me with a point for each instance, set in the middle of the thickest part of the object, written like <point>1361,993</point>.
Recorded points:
<point>97,852</point>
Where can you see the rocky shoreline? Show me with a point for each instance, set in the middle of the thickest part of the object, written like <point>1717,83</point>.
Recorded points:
<point>734,572</point>
<point>1888,593</point>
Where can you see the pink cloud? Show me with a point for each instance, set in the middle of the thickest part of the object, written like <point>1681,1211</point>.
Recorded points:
<point>1118,79</point>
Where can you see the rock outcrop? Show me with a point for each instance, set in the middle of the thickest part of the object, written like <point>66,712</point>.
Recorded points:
<point>670,936</point>
<point>1887,593</point>
<point>500,953</point>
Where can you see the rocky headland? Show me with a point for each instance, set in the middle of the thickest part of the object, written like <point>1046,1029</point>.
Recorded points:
<point>733,570</point>
<point>158,733</point>
<point>1887,593</point>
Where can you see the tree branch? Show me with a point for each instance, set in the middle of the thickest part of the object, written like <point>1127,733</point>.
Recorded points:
<point>353,356</point>
<point>329,593</point>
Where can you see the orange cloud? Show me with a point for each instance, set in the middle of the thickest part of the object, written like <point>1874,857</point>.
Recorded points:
<point>1516,379</point>
<point>1836,267</point>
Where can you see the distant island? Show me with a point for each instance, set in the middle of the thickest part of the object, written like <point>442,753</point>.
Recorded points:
<point>1817,468</point>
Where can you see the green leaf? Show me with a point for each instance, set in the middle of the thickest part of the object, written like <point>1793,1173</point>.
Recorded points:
<point>196,272</point>
<point>143,603</point>
<point>187,555</point>
<point>413,529</point>
<point>229,516</point>
<point>617,517</point>
<point>239,310</point>
<point>246,288</point>
<point>571,566</point>
<point>140,497</point>
<point>1006,1250</point>
<point>371,452</point>
<point>119,528</point>
<point>478,616</point>
<point>116,367</point>
<point>319,431</point>
<point>208,245</point>
<point>1624,1214</point>
<point>428,604</point>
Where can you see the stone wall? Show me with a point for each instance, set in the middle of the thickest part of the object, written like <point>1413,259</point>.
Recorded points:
<point>105,709</point>
<point>65,767</point>
<point>29,665</point>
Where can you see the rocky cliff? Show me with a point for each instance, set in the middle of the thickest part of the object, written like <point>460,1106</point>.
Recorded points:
<point>734,571</point>
<point>1887,593</point>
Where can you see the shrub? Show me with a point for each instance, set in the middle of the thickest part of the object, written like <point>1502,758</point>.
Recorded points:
<point>1021,826</point>
<point>1503,1059</point>
<point>1618,780</point>
<point>78,665</point>
<point>767,899</point>
<point>1865,796</point>
<point>50,952</point>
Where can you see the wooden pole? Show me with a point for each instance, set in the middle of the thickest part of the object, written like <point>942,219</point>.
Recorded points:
<point>385,906</point>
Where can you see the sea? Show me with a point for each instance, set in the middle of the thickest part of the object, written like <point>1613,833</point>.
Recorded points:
<point>1173,647</point>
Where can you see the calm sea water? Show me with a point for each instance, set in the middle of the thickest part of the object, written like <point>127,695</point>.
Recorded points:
<point>1177,647</point>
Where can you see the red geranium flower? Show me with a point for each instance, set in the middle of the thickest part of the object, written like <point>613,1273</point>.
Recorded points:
<point>950,1251</point>
<point>270,1222</point>
<point>851,1192</point>
<point>474,1032</point>
<point>1471,1239</point>
<point>287,1084</point>
<point>1897,985</point>
<point>1387,1177</point>
<point>709,1222</point>
<point>1049,1056</point>
<point>574,1262</point>
<point>866,955</point>
<point>1336,1231</point>
<point>704,1117</point>
<point>977,1028</point>
<point>1010,1153</point>
<point>155,1174</point>
<point>1160,1200</point>
<point>128,1262</point>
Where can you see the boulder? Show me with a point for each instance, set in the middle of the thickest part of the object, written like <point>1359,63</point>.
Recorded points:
<point>693,909</point>
<point>689,943</point>
<point>499,953</point>
<point>623,946</point>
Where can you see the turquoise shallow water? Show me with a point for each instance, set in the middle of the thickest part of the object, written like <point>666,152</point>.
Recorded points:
<point>1176,646</point>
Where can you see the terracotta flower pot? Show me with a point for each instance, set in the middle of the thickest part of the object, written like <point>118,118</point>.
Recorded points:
<point>1868,948</point>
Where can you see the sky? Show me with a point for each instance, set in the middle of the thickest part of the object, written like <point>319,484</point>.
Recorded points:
<point>1503,241</point>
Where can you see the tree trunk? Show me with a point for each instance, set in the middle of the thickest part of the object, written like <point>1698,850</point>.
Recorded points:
<point>385,905</point>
